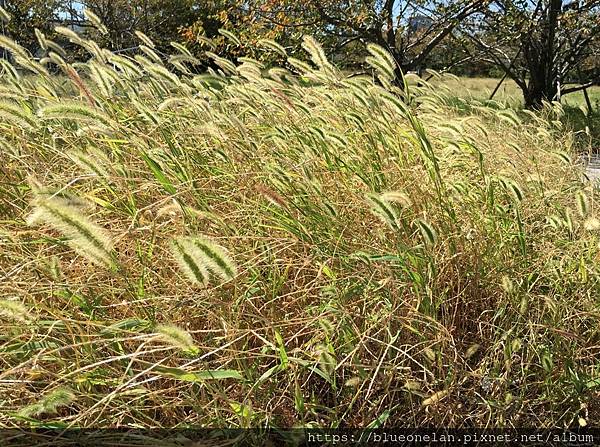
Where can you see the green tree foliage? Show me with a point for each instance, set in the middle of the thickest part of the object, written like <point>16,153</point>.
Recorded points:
<point>542,45</point>
<point>25,16</point>
<point>408,29</point>
<point>221,14</point>
<point>161,20</point>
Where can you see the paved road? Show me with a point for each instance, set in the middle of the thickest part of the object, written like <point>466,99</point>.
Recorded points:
<point>592,167</point>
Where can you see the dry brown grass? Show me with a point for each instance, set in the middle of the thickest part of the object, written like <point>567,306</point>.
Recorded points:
<point>336,316</point>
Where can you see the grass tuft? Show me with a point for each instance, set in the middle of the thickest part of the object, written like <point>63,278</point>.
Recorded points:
<point>339,250</point>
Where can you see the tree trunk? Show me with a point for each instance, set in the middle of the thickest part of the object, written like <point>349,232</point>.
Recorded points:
<point>399,72</point>
<point>540,87</point>
<point>540,56</point>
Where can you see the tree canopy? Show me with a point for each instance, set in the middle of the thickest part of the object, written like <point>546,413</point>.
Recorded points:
<point>548,47</point>
<point>542,45</point>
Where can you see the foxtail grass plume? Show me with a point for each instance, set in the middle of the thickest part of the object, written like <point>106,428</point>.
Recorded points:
<point>4,15</point>
<point>85,237</point>
<point>327,361</point>
<point>182,49</point>
<point>128,66</point>
<point>14,310</point>
<point>151,54</point>
<point>75,111</point>
<point>159,72</point>
<point>250,60</point>
<point>398,197</point>
<point>206,41</point>
<point>179,61</point>
<point>68,33</point>
<point>225,64</point>
<point>17,115</point>
<point>582,203</point>
<point>434,398</point>
<point>271,195</point>
<point>93,161</point>
<point>316,52</point>
<point>197,256</point>
<point>230,36</point>
<point>250,72</point>
<point>147,41</point>
<point>508,285</point>
<point>95,20</point>
<point>13,47</point>
<point>591,224</point>
<point>101,78</point>
<point>10,93</point>
<point>52,45</point>
<point>11,74</point>
<point>50,403</point>
<point>302,67</point>
<point>568,220</point>
<point>41,39</point>
<point>509,116</point>
<point>383,209</point>
<point>273,46</point>
<point>382,61</point>
<point>57,59</point>
<point>32,65</point>
<point>178,338</point>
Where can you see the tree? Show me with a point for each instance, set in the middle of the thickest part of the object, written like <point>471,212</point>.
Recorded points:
<point>408,29</point>
<point>217,14</point>
<point>542,46</point>
<point>161,20</point>
<point>25,16</point>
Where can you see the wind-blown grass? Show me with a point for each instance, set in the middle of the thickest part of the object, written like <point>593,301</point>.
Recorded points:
<point>378,257</point>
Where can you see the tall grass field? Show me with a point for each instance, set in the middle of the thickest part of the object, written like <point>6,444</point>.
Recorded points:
<point>509,92</point>
<point>286,247</point>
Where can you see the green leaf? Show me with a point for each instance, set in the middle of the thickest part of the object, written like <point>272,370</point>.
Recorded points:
<point>270,372</point>
<point>328,272</point>
<point>282,352</point>
<point>32,346</point>
<point>198,376</point>
<point>130,324</point>
<point>380,420</point>
<point>159,174</point>
<point>594,383</point>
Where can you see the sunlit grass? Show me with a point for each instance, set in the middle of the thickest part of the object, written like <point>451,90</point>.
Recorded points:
<point>509,91</point>
<point>289,247</point>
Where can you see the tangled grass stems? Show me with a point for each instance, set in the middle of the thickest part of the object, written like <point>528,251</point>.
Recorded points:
<point>366,254</point>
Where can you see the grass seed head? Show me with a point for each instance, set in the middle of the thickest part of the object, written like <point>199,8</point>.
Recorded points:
<point>86,237</point>
<point>178,338</point>
<point>49,403</point>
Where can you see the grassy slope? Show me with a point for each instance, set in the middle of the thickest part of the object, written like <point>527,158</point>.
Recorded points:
<point>467,297</point>
<point>481,88</point>
<point>466,92</point>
